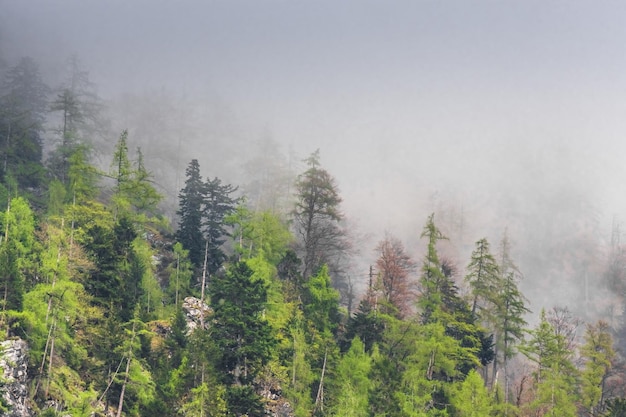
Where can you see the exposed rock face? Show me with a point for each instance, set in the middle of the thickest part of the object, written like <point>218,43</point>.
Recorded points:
<point>14,362</point>
<point>194,311</point>
<point>275,404</point>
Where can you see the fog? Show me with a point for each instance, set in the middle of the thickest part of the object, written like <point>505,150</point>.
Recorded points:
<point>494,115</point>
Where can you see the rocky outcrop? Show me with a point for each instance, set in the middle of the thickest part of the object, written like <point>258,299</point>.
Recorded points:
<point>194,311</point>
<point>275,404</point>
<point>14,389</point>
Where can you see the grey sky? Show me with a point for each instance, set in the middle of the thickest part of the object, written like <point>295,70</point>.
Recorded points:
<point>492,105</point>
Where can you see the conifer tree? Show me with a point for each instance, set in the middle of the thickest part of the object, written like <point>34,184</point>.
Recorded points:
<point>432,280</point>
<point>218,204</point>
<point>555,375</point>
<point>394,267</point>
<point>22,114</point>
<point>317,219</point>
<point>242,336</point>
<point>191,202</point>
<point>483,276</point>
<point>351,382</point>
<point>598,354</point>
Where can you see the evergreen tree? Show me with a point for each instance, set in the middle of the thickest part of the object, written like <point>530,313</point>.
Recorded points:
<point>242,336</point>
<point>218,204</point>
<point>22,114</point>
<point>80,112</point>
<point>316,219</point>
<point>191,201</point>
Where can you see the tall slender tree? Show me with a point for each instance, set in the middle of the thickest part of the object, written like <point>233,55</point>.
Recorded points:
<point>218,204</point>
<point>317,217</point>
<point>191,201</point>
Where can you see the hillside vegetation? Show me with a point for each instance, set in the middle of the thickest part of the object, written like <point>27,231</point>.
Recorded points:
<point>93,275</point>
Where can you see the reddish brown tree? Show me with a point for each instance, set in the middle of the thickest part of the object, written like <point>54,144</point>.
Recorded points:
<point>394,270</point>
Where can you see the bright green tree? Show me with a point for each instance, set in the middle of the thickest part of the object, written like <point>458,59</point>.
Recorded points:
<point>472,399</point>
<point>598,353</point>
<point>432,280</point>
<point>351,384</point>
<point>17,227</point>
<point>555,375</point>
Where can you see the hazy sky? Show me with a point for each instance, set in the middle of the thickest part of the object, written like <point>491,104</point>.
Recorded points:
<point>498,106</point>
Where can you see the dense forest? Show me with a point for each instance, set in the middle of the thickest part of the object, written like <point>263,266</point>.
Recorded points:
<point>95,273</point>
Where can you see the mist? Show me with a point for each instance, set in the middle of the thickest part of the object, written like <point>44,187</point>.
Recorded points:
<point>494,115</point>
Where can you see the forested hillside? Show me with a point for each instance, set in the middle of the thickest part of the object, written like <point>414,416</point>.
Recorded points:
<point>94,274</point>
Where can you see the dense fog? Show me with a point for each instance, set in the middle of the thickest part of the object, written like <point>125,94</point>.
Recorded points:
<point>494,115</point>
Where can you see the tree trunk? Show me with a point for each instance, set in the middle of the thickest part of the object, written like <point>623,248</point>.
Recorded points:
<point>206,256</point>
<point>319,399</point>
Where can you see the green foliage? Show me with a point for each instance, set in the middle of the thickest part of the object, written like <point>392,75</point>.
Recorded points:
<point>17,242</point>
<point>321,302</point>
<point>134,195</point>
<point>598,354</point>
<point>432,280</point>
<point>242,335</point>
<point>351,383</point>
<point>316,217</point>
<point>259,233</point>
<point>483,278</point>
<point>206,402</point>
<point>180,274</point>
<point>22,114</point>
<point>301,375</point>
<point>191,201</point>
<point>471,398</point>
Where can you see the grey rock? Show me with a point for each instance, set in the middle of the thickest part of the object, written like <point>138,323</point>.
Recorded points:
<point>14,363</point>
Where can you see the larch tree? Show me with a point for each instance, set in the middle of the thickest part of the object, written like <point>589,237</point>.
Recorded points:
<point>598,354</point>
<point>482,276</point>
<point>432,280</point>
<point>510,325</point>
<point>395,267</point>
<point>555,376</point>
